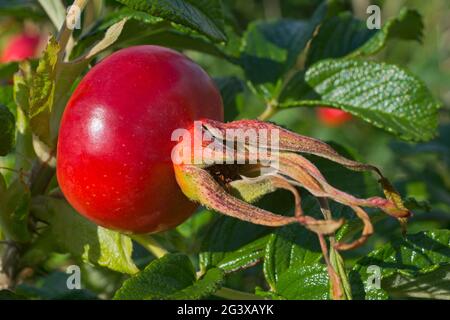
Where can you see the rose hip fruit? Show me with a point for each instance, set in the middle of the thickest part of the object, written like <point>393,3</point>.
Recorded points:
<point>21,47</point>
<point>333,117</point>
<point>114,149</point>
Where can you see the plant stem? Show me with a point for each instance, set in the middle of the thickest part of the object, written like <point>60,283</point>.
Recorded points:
<point>149,243</point>
<point>232,294</point>
<point>335,259</point>
<point>271,109</point>
<point>65,33</point>
<point>338,264</point>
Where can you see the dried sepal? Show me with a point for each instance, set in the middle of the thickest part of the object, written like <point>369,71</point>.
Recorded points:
<point>220,181</point>
<point>308,176</point>
<point>288,141</point>
<point>200,186</point>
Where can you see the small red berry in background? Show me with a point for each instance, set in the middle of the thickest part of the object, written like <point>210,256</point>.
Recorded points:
<point>333,117</point>
<point>21,47</point>
<point>115,141</point>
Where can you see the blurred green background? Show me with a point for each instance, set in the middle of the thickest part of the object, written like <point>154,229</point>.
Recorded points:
<point>419,171</point>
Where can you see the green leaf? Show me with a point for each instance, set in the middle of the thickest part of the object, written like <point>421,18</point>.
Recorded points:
<point>407,26</point>
<point>382,94</point>
<point>7,70</point>
<point>42,83</point>
<point>417,253</point>
<point>55,11</point>
<point>125,13</point>
<point>142,28</point>
<point>210,282</point>
<point>138,23</point>
<point>344,35</point>
<point>204,16</point>
<point>14,211</point>
<point>296,89</point>
<point>74,234</point>
<point>176,38</point>
<point>244,257</point>
<point>432,285</point>
<point>7,98</point>
<point>21,88</point>
<point>53,287</point>
<point>20,9</point>
<point>7,130</point>
<point>170,277</point>
<point>268,294</point>
<point>229,88</point>
<point>232,244</point>
<point>289,247</point>
<point>337,37</point>
<point>42,92</point>
<point>411,257</point>
<point>271,48</point>
<point>308,282</point>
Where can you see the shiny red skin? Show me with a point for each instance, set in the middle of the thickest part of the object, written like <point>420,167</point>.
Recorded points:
<point>114,149</point>
<point>21,47</point>
<point>333,117</point>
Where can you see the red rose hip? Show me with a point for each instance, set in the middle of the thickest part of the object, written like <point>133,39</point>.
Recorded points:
<point>21,47</point>
<point>114,149</point>
<point>333,117</point>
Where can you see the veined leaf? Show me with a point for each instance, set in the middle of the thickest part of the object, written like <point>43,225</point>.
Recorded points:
<point>304,283</point>
<point>232,244</point>
<point>42,91</point>
<point>21,9</point>
<point>408,25</point>
<point>170,277</point>
<point>204,16</point>
<point>384,95</point>
<point>271,48</point>
<point>337,37</point>
<point>142,28</point>
<point>411,258</point>
<point>289,247</point>
<point>344,35</point>
<point>432,285</point>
